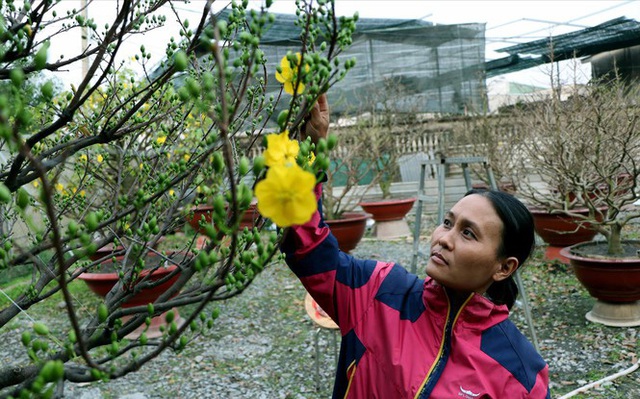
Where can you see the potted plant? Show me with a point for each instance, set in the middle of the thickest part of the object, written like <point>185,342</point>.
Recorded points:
<point>589,145</point>
<point>387,211</point>
<point>348,179</point>
<point>159,272</point>
<point>556,227</point>
<point>368,165</point>
<point>505,139</point>
<point>559,230</point>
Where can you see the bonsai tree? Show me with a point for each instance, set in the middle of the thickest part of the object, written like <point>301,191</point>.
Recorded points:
<point>344,185</point>
<point>368,153</point>
<point>120,157</point>
<point>495,137</point>
<point>582,153</point>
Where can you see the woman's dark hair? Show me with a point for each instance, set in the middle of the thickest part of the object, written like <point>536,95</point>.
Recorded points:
<point>518,239</point>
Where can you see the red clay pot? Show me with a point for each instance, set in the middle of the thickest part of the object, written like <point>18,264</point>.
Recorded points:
<point>389,209</point>
<point>102,282</point>
<point>561,230</point>
<point>607,279</point>
<point>349,229</point>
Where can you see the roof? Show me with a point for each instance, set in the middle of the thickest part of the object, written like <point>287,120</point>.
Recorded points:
<point>406,31</point>
<point>611,35</point>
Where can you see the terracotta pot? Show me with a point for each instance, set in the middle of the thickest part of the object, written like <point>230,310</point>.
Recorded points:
<point>561,230</point>
<point>349,229</point>
<point>607,279</point>
<point>248,218</point>
<point>388,209</point>
<point>101,282</point>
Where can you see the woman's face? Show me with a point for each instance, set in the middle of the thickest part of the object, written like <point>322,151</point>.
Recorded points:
<point>464,248</point>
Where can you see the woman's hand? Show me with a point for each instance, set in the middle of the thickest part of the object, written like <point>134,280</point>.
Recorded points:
<point>317,126</point>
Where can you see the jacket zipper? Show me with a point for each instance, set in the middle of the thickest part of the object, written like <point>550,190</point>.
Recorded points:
<point>443,354</point>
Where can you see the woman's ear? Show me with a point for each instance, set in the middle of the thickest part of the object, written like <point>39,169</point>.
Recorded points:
<point>507,268</point>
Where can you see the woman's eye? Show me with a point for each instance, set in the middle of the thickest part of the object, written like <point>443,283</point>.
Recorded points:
<point>468,233</point>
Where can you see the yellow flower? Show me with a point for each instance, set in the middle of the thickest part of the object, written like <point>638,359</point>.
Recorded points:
<point>289,75</point>
<point>312,158</point>
<point>36,183</point>
<point>59,187</point>
<point>286,195</point>
<point>83,158</point>
<point>280,149</point>
<point>172,192</point>
<point>161,139</point>
<point>83,193</point>
<point>187,157</point>
<point>99,158</point>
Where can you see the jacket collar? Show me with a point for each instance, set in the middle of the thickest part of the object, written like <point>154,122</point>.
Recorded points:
<point>478,312</point>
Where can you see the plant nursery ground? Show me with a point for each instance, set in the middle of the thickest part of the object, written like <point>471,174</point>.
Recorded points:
<point>263,345</point>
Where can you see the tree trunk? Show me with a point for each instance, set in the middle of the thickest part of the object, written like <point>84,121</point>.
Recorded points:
<point>615,242</point>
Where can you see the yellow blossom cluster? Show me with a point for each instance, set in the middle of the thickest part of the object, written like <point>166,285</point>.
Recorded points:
<point>285,195</point>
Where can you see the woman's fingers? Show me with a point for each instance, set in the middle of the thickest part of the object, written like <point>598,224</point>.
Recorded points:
<point>318,124</point>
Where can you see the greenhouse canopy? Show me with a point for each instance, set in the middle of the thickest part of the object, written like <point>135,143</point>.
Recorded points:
<point>611,35</point>
<point>408,65</point>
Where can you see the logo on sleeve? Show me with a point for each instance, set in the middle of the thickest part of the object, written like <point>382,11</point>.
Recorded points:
<point>467,394</point>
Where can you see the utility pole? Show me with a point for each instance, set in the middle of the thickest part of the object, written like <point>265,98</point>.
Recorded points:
<point>84,38</point>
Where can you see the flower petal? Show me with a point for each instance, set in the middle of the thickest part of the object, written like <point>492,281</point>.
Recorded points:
<point>280,149</point>
<point>286,195</point>
<point>288,74</point>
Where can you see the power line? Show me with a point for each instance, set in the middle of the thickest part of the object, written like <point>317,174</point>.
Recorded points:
<point>550,24</point>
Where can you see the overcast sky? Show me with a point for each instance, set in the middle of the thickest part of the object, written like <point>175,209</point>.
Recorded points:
<point>507,22</point>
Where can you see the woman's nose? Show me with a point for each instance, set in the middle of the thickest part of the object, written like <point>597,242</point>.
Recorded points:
<point>444,238</point>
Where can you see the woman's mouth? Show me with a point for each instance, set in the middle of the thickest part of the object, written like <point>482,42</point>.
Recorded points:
<point>437,258</point>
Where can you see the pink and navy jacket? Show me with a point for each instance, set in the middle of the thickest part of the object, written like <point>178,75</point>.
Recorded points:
<point>401,338</point>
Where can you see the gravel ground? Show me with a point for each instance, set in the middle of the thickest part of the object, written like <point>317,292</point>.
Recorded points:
<point>263,343</point>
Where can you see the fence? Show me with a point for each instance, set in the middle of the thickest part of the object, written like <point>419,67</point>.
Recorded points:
<point>414,142</point>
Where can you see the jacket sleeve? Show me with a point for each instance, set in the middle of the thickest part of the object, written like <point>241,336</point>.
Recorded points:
<point>541,388</point>
<point>342,285</point>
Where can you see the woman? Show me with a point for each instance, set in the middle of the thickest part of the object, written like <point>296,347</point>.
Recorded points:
<point>447,336</point>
